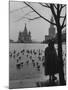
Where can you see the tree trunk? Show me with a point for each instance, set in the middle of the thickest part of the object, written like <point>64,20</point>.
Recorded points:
<point>61,65</point>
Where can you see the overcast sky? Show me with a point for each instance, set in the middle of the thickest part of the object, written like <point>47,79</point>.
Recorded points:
<point>39,27</point>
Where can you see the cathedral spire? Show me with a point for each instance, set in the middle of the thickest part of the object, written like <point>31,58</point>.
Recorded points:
<point>25,29</point>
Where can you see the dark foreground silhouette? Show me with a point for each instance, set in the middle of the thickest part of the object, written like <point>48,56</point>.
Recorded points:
<point>51,63</point>
<point>48,83</point>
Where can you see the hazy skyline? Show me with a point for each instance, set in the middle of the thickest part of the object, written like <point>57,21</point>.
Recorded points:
<point>39,27</point>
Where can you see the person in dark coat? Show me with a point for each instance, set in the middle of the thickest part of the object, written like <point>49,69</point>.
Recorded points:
<point>51,61</point>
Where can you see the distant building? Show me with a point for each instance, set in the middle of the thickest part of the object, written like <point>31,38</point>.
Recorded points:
<point>51,31</point>
<point>25,36</point>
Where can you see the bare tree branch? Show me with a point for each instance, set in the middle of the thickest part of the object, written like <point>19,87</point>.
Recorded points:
<point>18,9</point>
<point>25,15</point>
<point>30,19</point>
<point>33,18</point>
<point>20,19</point>
<point>39,13</point>
<point>29,13</point>
<point>64,26</point>
<point>61,7</point>
<point>63,21</point>
<point>46,5</point>
<point>62,16</point>
<point>53,12</point>
<point>55,6</point>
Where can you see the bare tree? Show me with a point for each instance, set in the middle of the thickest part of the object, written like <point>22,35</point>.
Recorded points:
<point>56,10</point>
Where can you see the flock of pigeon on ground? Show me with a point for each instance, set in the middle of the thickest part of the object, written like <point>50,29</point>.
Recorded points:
<point>36,57</point>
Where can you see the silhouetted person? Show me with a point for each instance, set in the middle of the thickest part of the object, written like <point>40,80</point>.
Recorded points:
<point>51,61</point>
